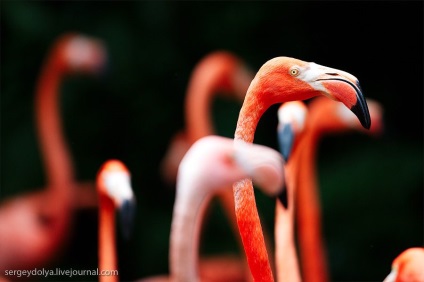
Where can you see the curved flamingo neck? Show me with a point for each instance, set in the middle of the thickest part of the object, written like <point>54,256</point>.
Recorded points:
<point>312,250</point>
<point>260,95</point>
<point>212,75</point>
<point>285,252</point>
<point>249,116</point>
<point>107,249</point>
<point>185,233</point>
<point>245,205</point>
<point>56,157</point>
<point>199,96</point>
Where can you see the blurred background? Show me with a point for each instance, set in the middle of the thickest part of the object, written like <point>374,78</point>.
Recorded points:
<point>371,188</point>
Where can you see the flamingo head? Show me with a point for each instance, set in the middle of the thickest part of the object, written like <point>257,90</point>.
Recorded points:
<point>288,79</point>
<point>225,72</point>
<point>113,182</point>
<point>264,165</point>
<point>408,266</point>
<point>78,53</point>
<point>329,116</point>
<point>291,122</point>
<point>215,162</point>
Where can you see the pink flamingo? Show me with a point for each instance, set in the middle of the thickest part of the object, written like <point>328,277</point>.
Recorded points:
<point>34,227</point>
<point>324,116</point>
<point>210,165</point>
<point>279,80</point>
<point>220,72</point>
<point>114,190</point>
<point>408,266</point>
<point>291,117</point>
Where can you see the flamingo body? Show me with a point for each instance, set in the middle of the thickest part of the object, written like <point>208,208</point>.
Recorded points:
<point>34,226</point>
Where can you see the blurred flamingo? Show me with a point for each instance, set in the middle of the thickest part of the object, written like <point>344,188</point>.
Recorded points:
<point>34,226</point>
<point>291,120</point>
<point>279,80</point>
<point>324,117</point>
<point>114,190</point>
<point>408,266</point>
<point>220,72</point>
<point>210,165</point>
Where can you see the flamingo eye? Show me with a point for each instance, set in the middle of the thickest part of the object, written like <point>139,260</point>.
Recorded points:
<point>294,71</point>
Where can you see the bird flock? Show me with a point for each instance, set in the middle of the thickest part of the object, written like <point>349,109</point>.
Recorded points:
<point>34,227</point>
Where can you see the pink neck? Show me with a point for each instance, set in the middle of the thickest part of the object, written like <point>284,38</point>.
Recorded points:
<point>56,157</point>
<point>285,250</point>
<point>199,96</point>
<point>185,233</point>
<point>107,249</point>
<point>312,250</point>
<point>245,204</point>
<point>249,116</point>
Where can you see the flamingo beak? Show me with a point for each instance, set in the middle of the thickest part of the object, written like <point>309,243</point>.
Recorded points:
<point>360,109</point>
<point>285,135</point>
<point>357,105</point>
<point>127,214</point>
<point>392,276</point>
<point>340,86</point>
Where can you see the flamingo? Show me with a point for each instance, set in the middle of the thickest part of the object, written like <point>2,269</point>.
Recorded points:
<point>114,191</point>
<point>218,72</point>
<point>35,226</point>
<point>280,80</point>
<point>324,116</point>
<point>208,167</point>
<point>408,266</point>
<point>292,118</point>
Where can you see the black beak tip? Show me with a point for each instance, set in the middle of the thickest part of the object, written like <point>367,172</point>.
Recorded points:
<point>127,213</point>
<point>360,109</point>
